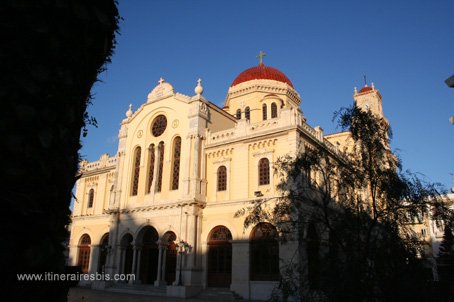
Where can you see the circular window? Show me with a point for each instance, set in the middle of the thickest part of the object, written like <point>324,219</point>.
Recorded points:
<point>159,125</point>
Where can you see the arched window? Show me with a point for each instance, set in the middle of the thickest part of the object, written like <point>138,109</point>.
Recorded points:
<point>247,113</point>
<point>136,172</point>
<point>264,171</point>
<point>176,163</point>
<point>91,198</point>
<point>273,110</point>
<point>84,253</point>
<point>161,166</point>
<point>222,178</point>
<point>238,114</point>
<point>264,253</point>
<point>264,113</point>
<point>150,167</point>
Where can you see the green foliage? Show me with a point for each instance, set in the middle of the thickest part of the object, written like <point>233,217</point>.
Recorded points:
<point>360,208</point>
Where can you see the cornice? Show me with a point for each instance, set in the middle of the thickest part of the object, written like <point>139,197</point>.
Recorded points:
<point>163,206</point>
<point>267,86</point>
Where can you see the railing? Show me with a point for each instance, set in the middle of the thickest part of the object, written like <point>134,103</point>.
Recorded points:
<point>104,161</point>
<point>225,135</point>
<point>221,136</point>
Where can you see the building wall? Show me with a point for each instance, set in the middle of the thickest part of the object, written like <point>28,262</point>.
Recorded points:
<point>210,137</point>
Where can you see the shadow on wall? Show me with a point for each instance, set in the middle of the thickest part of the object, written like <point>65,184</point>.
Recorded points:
<point>128,253</point>
<point>139,251</point>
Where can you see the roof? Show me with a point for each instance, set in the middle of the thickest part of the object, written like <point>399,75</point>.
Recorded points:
<point>261,72</point>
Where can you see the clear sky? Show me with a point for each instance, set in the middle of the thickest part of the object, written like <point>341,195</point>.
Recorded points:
<point>406,47</point>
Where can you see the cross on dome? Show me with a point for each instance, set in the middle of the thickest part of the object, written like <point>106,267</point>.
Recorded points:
<point>161,80</point>
<point>260,56</point>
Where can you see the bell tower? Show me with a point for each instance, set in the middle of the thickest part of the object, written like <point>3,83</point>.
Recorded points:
<point>369,98</point>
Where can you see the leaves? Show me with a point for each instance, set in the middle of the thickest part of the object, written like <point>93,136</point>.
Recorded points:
<point>362,205</point>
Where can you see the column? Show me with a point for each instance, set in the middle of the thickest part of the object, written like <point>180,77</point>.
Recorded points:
<point>195,167</point>
<point>191,237</point>
<point>240,268</point>
<point>155,170</point>
<point>121,261</point>
<point>177,270</point>
<point>94,252</point>
<point>134,260</point>
<point>158,281</point>
<point>139,257</point>
<point>164,256</point>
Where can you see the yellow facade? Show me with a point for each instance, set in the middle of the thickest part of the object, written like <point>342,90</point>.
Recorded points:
<point>203,204</point>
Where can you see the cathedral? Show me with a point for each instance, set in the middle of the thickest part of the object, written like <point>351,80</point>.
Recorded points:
<point>162,208</point>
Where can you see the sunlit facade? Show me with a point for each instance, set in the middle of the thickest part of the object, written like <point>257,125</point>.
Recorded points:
<point>184,166</point>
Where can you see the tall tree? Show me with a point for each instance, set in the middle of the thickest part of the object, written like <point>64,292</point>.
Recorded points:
<point>447,245</point>
<point>446,256</point>
<point>351,216</point>
<point>51,54</point>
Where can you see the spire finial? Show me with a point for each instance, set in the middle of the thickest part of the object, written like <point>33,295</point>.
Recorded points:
<point>260,56</point>
<point>365,80</point>
<point>198,89</point>
<point>161,80</point>
<point>129,112</point>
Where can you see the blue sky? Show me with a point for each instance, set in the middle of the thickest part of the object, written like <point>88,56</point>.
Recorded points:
<point>405,47</point>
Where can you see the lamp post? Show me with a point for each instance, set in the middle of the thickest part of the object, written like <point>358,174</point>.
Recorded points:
<point>450,82</point>
<point>183,248</point>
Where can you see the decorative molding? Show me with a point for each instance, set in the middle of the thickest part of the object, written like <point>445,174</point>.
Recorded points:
<point>220,153</point>
<point>161,91</point>
<point>222,160</point>
<point>269,86</point>
<point>264,144</point>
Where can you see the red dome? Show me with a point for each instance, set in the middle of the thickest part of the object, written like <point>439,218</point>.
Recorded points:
<point>261,72</point>
<point>365,89</point>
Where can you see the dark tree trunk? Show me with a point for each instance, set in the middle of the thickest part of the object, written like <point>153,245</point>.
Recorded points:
<point>51,52</point>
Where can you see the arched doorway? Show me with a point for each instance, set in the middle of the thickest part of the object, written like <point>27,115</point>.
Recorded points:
<point>127,252</point>
<point>170,257</point>
<point>264,253</point>
<point>103,252</point>
<point>147,239</point>
<point>219,257</point>
<point>83,259</point>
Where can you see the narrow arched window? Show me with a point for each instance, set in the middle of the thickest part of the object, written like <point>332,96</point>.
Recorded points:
<point>264,171</point>
<point>84,253</point>
<point>151,160</point>
<point>273,110</point>
<point>264,253</point>
<point>222,178</point>
<point>136,172</point>
<point>247,113</point>
<point>176,163</point>
<point>161,166</point>
<point>91,198</point>
<point>264,113</point>
<point>238,114</point>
